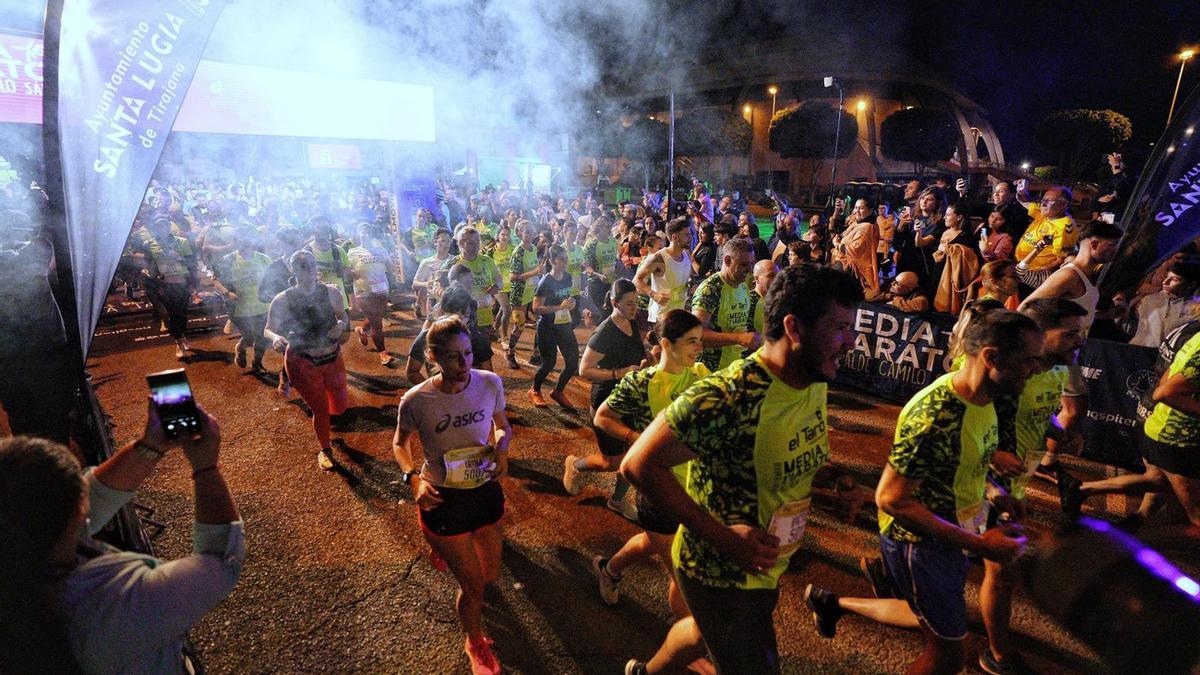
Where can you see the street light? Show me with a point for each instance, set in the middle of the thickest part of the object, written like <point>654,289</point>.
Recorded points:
<point>747,110</point>
<point>772,90</point>
<point>1024,166</point>
<point>1183,59</point>
<point>862,104</point>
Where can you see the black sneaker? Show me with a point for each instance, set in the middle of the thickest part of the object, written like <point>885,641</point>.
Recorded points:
<point>1069,495</point>
<point>511,359</point>
<point>535,359</point>
<point>1013,665</point>
<point>825,609</point>
<point>876,575</point>
<point>1048,473</point>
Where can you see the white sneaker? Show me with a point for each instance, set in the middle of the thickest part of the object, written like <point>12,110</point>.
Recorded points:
<point>607,584</point>
<point>624,508</point>
<point>325,460</point>
<point>179,353</point>
<point>571,478</point>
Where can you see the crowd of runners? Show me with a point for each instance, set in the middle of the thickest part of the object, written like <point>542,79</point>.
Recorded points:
<point>708,353</point>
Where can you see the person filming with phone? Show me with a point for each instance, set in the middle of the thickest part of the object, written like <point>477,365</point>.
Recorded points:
<point>118,611</point>
<point>1039,257</point>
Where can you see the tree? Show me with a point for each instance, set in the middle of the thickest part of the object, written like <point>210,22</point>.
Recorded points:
<point>807,131</point>
<point>712,132</point>
<point>920,135</point>
<point>1079,137</point>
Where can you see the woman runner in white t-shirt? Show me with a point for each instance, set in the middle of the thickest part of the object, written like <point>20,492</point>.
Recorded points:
<point>459,416</point>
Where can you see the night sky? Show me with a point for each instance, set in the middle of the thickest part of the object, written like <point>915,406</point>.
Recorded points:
<point>1020,60</point>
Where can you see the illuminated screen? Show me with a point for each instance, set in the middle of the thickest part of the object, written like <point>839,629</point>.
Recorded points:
<point>227,98</point>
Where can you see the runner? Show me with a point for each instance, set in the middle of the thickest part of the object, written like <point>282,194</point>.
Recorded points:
<point>423,281</point>
<point>764,273</point>
<point>755,434</point>
<point>722,303</point>
<point>459,417</point>
<point>308,323</point>
<point>665,274</point>
<point>552,303</point>
<point>933,488</point>
<point>486,279</point>
<point>333,263</point>
<point>501,252</point>
<point>614,350</point>
<point>238,276</point>
<point>570,241</point>
<point>525,269</point>
<point>600,264</point>
<point>370,264</point>
<point>626,412</point>
<point>173,268</point>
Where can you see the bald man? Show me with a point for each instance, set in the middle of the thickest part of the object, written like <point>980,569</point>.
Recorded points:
<point>764,273</point>
<point>905,294</point>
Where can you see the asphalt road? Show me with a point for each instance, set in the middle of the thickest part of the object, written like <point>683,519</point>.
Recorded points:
<point>337,580</point>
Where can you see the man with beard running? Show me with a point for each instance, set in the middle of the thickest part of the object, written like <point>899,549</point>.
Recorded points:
<point>755,434</point>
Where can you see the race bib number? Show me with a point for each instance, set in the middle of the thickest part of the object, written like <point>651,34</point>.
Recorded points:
<point>787,525</point>
<point>468,468</point>
<point>970,518</point>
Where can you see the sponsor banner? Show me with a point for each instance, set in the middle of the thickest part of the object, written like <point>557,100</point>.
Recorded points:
<point>1118,377</point>
<point>124,67</point>
<point>895,353</point>
<point>20,79</point>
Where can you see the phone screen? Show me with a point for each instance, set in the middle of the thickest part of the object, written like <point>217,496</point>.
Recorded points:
<point>173,397</point>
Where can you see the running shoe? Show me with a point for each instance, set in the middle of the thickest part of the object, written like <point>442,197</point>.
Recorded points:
<point>240,359</point>
<point>635,667</point>
<point>607,582</point>
<point>538,399</point>
<point>535,359</point>
<point>625,509</point>
<point>1013,665</point>
<point>483,661</point>
<point>825,609</point>
<point>257,368</point>
<point>1069,495</point>
<point>285,386</point>
<point>325,459</point>
<point>386,360</point>
<point>228,328</point>
<point>560,397</point>
<point>362,335</point>
<point>179,354</point>
<point>511,358</point>
<point>1047,472</point>
<point>571,476</point>
<point>876,575</point>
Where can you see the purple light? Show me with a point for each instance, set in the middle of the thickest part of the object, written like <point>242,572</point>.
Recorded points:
<point>1161,568</point>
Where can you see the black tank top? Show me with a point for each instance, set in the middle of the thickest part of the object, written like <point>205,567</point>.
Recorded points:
<point>311,318</point>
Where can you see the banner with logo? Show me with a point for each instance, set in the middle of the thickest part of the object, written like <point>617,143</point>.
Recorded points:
<point>1118,377</point>
<point>1164,211</point>
<point>124,67</point>
<point>896,353</point>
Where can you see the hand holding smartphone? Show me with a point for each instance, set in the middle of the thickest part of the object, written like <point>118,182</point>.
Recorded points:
<point>172,396</point>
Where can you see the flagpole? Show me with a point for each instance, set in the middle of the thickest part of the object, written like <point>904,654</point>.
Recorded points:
<point>54,217</point>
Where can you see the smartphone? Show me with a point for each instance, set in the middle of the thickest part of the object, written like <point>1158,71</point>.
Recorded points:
<point>1109,218</point>
<point>173,398</point>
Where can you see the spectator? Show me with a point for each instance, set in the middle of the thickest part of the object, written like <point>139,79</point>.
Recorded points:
<point>918,232</point>
<point>72,604</point>
<point>995,242</point>
<point>906,294</point>
<point>748,228</point>
<point>799,253</point>
<point>959,259</point>
<point>886,221</point>
<point>1176,304</point>
<point>1050,220</point>
<point>1115,192</point>
<point>855,248</point>
<point>1016,217</point>
<point>786,231</point>
<point>704,256</point>
<point>997,281</point>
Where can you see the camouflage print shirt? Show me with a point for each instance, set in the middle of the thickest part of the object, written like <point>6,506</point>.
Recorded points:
<point>946,443</point>
<point>1168,425</point>
<point>758,443</point>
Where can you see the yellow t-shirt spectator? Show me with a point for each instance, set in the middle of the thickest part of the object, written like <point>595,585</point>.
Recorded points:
<point>1063,230</point>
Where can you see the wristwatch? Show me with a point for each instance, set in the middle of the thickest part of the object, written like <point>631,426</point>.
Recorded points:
<point>405,476</point>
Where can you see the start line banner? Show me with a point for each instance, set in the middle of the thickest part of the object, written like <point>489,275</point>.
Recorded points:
<point>896,353</point>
